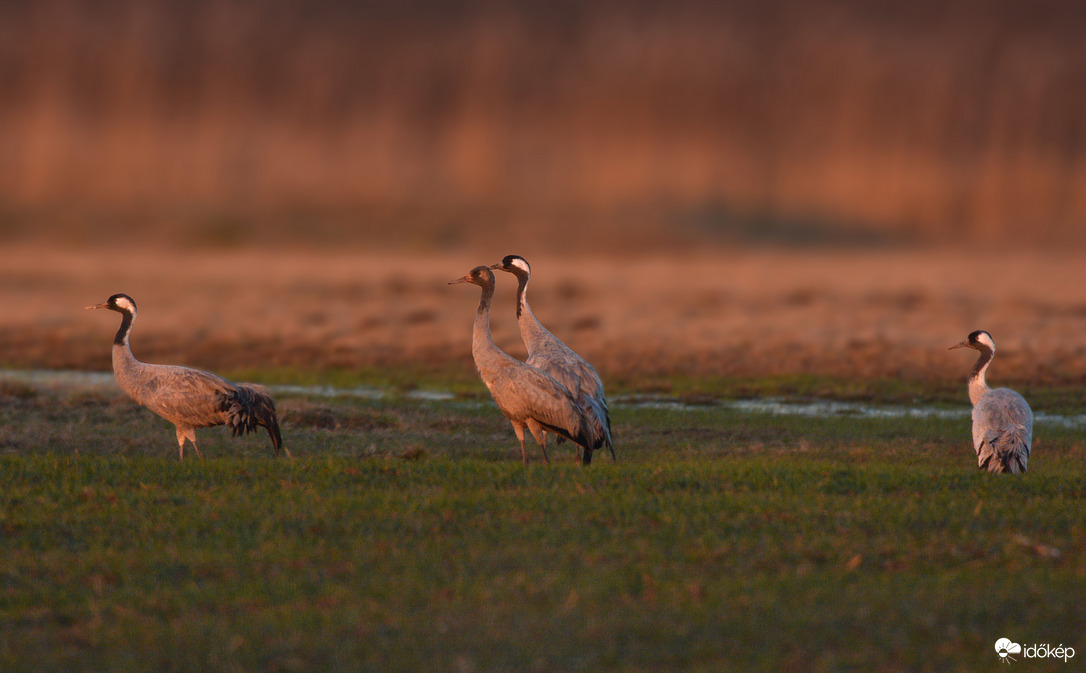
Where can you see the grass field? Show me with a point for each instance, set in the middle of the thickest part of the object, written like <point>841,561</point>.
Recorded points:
<point>407,536</point>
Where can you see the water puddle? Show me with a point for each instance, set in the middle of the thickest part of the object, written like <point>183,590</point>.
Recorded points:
<point>814,408</point>
<point>828,409</point>
<point>362,392</point>
<point>45,378</point>
<point>778,407</point>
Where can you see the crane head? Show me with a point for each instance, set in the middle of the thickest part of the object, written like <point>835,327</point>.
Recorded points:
<point>978,340</point>
<point>121,303</point>
<point>514,264</point>
<point>480,275</point>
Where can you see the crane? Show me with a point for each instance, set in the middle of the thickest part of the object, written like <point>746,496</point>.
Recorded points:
<point>1002,419</point>
<point>549,353</point>
<point>188,398</point>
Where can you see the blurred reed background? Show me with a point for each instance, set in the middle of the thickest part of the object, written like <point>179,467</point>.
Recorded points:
<point>427,125</point>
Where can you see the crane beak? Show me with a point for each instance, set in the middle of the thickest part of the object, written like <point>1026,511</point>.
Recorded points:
<point>465,279</point>
<point>499,265</point>
<point>963,344</point>
<point>102,305</point>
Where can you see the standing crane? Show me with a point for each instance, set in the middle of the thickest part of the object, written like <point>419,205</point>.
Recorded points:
<point>189,398</point>
<point>549,353</point>
<point>527,396</point>
<point>1002,419</point>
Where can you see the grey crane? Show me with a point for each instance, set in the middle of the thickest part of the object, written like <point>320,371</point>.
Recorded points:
<point>1002,420</point>
<point>189,398</point>
<point>549,353</point>
<point>528,397</point>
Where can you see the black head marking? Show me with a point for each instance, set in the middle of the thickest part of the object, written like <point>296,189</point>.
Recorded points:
<point>517,262</point>
<point>514,264</point>
<point>982,341</point>
<point>116,301</point>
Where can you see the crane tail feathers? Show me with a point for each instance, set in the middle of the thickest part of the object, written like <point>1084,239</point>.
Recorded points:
<point>251,406</point>
<point>1007,453</point>
<point>594,433</point>
<point>599,424</point>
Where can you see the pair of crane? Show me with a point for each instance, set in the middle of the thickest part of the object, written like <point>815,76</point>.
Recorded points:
<point>554,391</point>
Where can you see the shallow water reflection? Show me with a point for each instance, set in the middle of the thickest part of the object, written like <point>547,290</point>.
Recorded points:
<point>768,405</point>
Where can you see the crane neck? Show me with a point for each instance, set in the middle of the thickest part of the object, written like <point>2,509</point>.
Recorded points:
<point>531,330</point>
<point>126,367</point>
<point>522,294</point>
<point>126,327</point>
<point>480,336</point>
<point>977,385</point>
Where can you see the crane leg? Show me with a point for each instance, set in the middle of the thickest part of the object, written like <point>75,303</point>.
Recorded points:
<point>519,429</point>
<point>189,434</point>
<point>540,437</point>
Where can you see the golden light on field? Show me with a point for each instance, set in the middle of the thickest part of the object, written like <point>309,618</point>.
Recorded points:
<point>889,314</point>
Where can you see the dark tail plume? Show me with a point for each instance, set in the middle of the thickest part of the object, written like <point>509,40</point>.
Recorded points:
<point>593,435</point>
<point>250,406</point>
<point>1004,453</point>
<point>1014,452</point>
<point>602,423</point>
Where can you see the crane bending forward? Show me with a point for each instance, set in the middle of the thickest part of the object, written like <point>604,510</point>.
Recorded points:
<point>189,398</point>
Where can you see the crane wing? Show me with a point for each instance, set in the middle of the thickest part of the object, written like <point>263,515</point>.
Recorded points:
<point>525,392</point>
<point>181,394</point>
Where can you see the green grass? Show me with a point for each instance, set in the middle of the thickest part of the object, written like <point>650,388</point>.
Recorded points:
<point>407,536</point>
